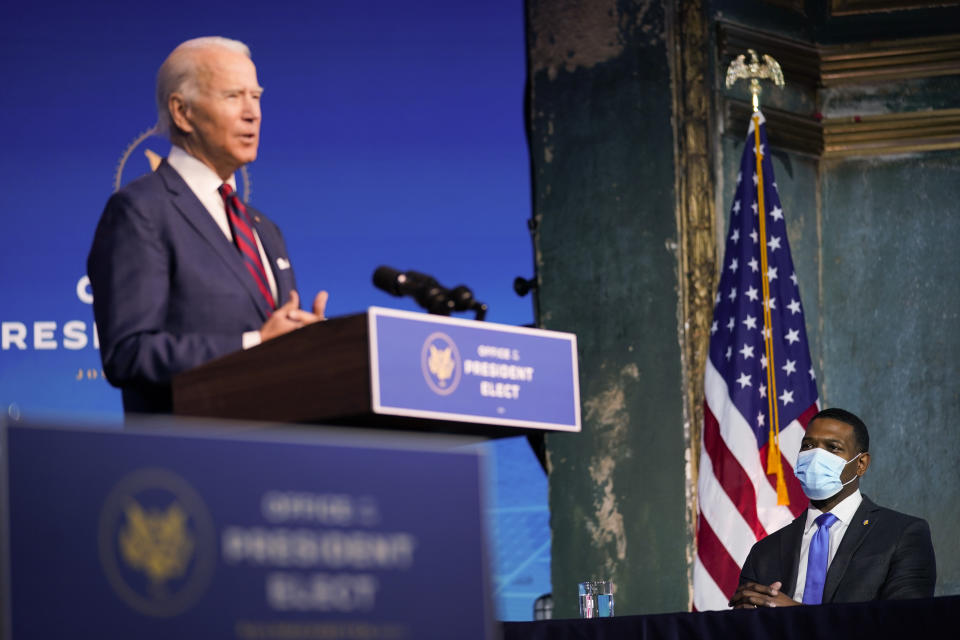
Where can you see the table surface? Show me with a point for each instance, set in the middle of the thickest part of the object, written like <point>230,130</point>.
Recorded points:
<point>902,619</point>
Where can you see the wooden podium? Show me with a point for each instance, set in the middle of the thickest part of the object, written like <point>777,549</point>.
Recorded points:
<point>317,374</point>
<point>321,374</point>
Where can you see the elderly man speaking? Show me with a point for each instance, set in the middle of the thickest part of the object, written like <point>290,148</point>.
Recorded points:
<point>182,271</point>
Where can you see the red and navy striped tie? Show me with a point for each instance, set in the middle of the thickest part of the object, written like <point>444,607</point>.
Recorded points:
<point>245,240</point>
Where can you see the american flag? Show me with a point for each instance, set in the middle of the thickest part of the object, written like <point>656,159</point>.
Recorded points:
<point>760,388</point>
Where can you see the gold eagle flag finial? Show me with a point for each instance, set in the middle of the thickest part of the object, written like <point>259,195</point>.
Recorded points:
<point>754,71</point>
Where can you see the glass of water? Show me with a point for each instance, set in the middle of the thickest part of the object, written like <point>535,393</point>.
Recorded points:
<point>596,599</point>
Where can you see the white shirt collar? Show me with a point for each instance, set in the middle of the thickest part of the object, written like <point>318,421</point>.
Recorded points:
<point>198,176</point>
<point>844,511</point>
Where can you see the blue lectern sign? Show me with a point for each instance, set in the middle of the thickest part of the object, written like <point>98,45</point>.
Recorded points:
<point>182,533</point>
<point>431,366</point>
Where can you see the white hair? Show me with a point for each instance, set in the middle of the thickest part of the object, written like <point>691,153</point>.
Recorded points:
<point>179,73</point>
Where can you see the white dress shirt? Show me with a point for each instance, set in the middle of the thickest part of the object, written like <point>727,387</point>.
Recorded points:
<point>844,513</point>
<point>205,184</point>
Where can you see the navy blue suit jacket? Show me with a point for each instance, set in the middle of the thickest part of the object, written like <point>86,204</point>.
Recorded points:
<point>170,291</point>
<point>884,555</point>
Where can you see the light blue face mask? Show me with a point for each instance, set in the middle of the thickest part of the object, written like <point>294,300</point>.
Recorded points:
<point>819,471</point>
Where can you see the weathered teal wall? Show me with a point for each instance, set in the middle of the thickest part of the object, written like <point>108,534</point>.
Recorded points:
<point>602,148</point>
<point>891,334</point>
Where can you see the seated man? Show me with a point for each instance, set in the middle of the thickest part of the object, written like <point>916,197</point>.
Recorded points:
<point>844,548</point>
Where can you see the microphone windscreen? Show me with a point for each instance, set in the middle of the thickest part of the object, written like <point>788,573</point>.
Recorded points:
<point>386,279</point>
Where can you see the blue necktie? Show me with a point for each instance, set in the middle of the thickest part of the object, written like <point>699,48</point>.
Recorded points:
<point>817,560</point>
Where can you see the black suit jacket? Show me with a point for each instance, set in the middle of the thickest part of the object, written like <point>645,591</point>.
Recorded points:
<point>884,555</point>
<point>170,291</point>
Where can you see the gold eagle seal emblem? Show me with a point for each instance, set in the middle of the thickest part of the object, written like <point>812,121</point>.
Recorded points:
<point>441,364</point>
<point>157,543</point>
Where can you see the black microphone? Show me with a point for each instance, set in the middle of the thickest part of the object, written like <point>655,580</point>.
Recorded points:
<point>390,280</point>
<point>428,293</point>
<point>463,300</point>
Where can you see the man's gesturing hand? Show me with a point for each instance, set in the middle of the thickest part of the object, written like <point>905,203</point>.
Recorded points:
<point>290,316</point>
<point>320,305</point>
<point>751,595</point>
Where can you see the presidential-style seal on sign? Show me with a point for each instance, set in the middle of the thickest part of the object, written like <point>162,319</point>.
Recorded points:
<point>154,146</point>
<point>157,543</point>
<point>441,363</point>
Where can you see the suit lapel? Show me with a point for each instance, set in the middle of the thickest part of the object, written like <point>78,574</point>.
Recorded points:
<point>200,219</point>
<point>790,552</point>
<point>856,533</point>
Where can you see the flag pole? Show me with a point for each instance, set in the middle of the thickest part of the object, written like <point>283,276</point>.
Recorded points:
<point>755,71</point>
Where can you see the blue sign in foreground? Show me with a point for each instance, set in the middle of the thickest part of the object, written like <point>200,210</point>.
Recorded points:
<point>184,533</point>
<point>430,366</point>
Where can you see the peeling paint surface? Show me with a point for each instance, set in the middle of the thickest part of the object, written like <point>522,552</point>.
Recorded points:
<point>569,35</point>
<point>608,416</point>
<point>608,525</point>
